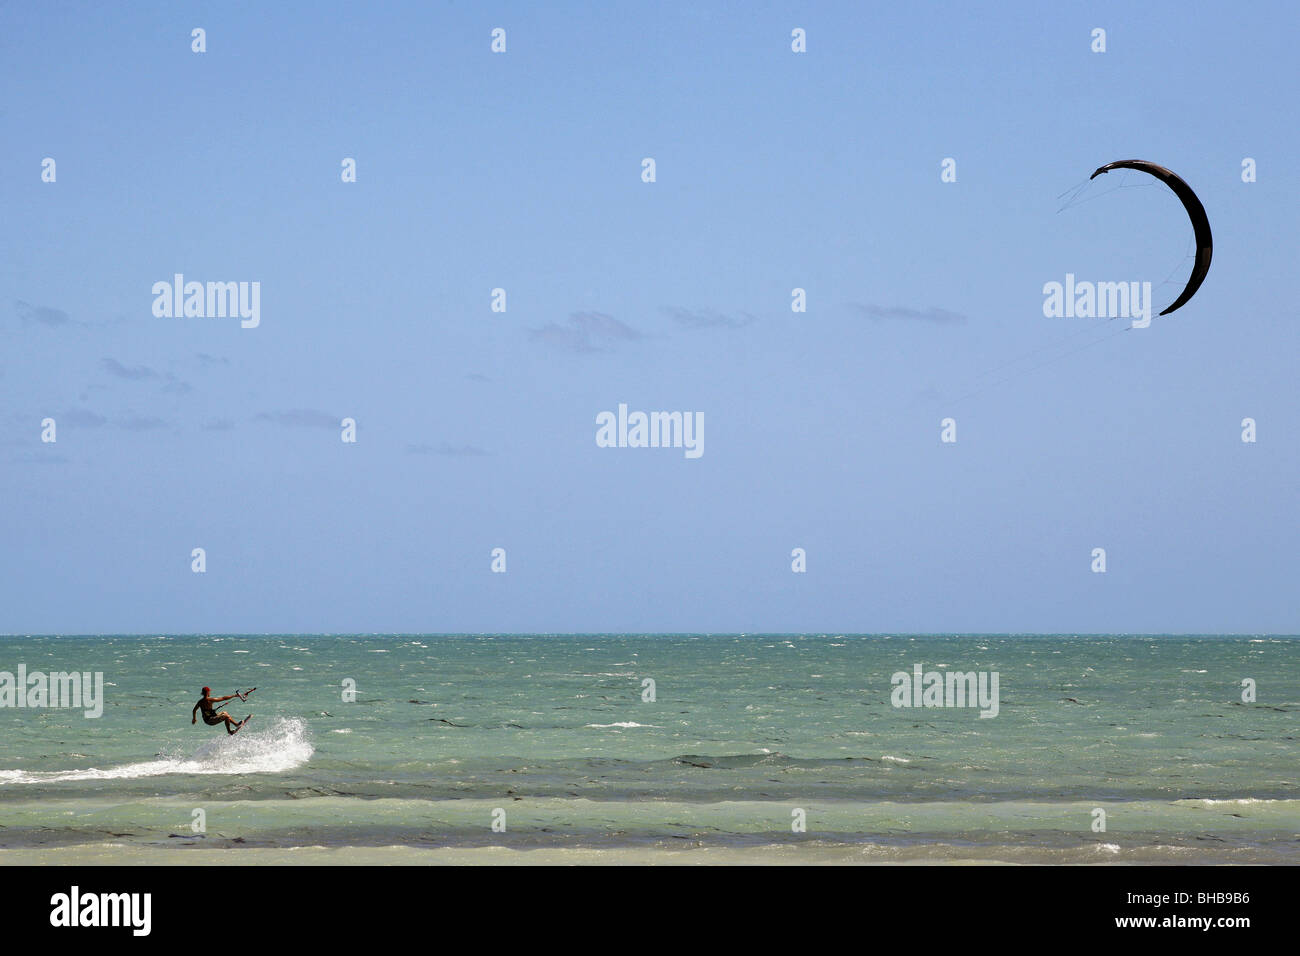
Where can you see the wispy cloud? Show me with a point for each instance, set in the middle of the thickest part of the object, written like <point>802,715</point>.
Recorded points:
<point>135,373</point>
<point>82,418</point>
<point>92,387</point>
<point>219,425</point>
<point>706,318</point>
<point>585,332</point>
<point>932,314</point>
<point>34,458</point>
<point>42,315</point>
<point>143,373</point>
<point>444,448</point>
<point>300,418</point>
<point>143,423</point>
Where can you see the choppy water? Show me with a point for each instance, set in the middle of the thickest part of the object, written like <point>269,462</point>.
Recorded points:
<point>744,733</point>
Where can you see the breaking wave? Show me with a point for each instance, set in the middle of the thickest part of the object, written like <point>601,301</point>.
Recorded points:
<point>282,746</point>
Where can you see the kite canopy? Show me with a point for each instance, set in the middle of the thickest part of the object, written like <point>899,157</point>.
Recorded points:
<point>1195,211</point>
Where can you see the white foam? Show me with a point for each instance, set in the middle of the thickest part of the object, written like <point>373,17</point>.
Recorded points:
<point>282,746</point>
<point>1243,801</point>
<point>624,723</point>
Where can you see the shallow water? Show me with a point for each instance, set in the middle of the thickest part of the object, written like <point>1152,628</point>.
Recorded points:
<point>745,736</point>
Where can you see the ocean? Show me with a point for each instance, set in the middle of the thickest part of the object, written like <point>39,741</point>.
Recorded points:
<point>656,748</point>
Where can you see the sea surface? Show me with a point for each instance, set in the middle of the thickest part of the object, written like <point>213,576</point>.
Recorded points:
<point>753,749</point>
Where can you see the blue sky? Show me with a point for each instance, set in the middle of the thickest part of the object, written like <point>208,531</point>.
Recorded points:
<point>522,171</point>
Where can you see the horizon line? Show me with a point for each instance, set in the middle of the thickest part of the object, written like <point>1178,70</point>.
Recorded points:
<point>597,634</point>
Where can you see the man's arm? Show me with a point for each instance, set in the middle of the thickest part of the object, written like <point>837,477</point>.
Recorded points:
<point>193,713</point>
<point>222,700</point>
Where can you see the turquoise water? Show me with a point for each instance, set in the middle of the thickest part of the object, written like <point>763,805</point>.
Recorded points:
<point>745,733</point>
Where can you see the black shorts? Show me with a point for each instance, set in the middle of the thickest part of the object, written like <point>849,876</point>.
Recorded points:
<point>212,719</point>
